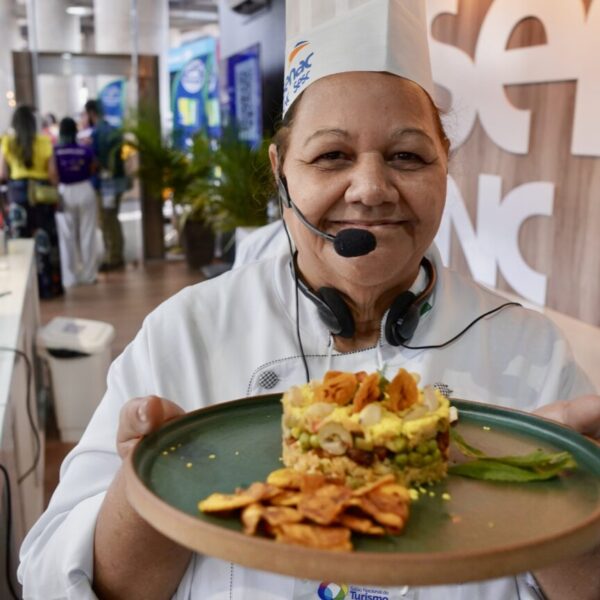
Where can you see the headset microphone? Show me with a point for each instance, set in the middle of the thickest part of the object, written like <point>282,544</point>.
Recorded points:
<point>348,243</point>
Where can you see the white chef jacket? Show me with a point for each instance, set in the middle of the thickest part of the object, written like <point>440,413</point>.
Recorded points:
<point>235,336</point>
<point>268,240</point>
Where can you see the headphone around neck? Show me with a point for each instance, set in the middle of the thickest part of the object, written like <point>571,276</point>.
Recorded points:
<point>403,315</point>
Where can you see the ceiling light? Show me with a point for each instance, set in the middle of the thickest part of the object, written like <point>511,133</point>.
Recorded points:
<point>80,11</point>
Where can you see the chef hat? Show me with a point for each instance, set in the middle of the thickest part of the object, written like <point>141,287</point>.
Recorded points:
<point>325,37</point>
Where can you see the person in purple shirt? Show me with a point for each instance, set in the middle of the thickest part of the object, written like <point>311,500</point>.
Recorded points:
<point>73,168</point>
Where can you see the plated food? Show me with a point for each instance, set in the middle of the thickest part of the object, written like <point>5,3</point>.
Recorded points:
<point>314,511</point>
<point>359,427</point>
<point>459,530</point>
<point>351,444</point>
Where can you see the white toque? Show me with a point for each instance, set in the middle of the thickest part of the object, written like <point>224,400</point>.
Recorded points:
<point>325,37</point>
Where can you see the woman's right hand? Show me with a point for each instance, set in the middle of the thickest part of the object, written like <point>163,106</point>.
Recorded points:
<point>132,559</point>
<point>140,417</point>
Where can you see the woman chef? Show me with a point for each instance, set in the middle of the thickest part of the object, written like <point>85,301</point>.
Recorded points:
<point>362,159</point>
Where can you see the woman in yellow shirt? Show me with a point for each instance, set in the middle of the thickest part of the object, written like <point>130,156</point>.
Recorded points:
<point>25,161</point>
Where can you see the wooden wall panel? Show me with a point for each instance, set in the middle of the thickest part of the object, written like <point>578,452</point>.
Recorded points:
<point>566,246</point>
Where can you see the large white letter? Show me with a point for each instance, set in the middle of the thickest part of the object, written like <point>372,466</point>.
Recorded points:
<point>499,224</point>
<point>481,261</point>
<point>496,67</point>
<point>496,240</point>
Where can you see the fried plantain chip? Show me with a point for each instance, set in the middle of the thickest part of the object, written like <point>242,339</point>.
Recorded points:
<point>398,491</point>
<point>324,504</point>
<point>337,388</point>
<point>286,498</point>
<point>315,536</point>
<point>273,515</point>
<point>225,502</point>
<point>389,519</point>
<point>285,478</point>
<point>242,497</point>
<point>310,482</point>
<point>389,501</point>
<point>262,491</point>
<point>360,524</point>
<point>365,489</point>
<point>386,508</point>
<point>251,516</point>
<point>279,515</point>
<point>402,391</point>
<point>368,391</point>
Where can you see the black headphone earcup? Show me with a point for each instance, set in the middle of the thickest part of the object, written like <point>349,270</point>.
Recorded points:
<point>402,319</point>
<point>335,313</point>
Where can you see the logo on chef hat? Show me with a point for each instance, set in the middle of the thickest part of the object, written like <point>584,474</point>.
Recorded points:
<point>297,49</point>
<point>297,76</point>
<point>332,591</point>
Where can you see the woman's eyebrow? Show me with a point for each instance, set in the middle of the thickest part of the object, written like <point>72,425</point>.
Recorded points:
<point>410,131</point>
<point>327,131</point>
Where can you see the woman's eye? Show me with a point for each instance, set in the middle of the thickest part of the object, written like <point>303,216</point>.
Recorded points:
<point>406,157</point>
<point>331,156</point>
<point>407,160</point>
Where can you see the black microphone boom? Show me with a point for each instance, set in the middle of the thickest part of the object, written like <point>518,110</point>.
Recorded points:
<point>348,243</point>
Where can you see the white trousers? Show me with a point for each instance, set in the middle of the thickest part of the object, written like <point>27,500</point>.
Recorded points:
<point>76,225</point>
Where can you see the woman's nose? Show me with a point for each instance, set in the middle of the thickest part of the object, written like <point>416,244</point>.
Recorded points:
<point>370,182</point>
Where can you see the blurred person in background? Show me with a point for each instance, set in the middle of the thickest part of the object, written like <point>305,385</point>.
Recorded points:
<point>110,182</point>
<point>50,127</point>
<point>72,169</point>
<point>32,202</point>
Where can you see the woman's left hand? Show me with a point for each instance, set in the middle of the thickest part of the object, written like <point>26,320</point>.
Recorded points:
<point>578,577</point>
<point>582,414</point>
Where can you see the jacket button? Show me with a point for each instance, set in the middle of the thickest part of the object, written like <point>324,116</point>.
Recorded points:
<point>268,380</point>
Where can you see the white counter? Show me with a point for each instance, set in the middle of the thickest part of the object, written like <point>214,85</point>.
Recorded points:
<point>19,321</point>
<point>17,278</point>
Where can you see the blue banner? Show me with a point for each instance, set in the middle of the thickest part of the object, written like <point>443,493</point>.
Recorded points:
<point>194,91</point>
<point>244,91</point>
<point>112,98</point>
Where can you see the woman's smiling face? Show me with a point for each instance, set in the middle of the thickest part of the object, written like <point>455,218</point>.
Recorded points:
<point>365,151</point>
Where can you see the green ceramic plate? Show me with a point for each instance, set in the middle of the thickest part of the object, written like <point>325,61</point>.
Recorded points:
<point>484,530</point>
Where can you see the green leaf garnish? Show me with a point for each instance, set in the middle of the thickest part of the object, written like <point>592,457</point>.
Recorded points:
<point>535,466</point>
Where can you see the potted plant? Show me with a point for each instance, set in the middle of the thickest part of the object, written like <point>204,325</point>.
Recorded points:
<point>196,234</point>
<point>168,172</point>
<point>238,193</point>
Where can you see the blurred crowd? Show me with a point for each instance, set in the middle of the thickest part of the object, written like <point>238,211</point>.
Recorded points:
<point>60,182</point>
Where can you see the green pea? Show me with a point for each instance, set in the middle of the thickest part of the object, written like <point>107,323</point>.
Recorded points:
<point>401,460</point>
<point>400,444</point>
<point>423,448</point>
<point>295,432</point>
<point>433,445</point>
<point>415,459</point>
<point>314,441</point>
<point>427,459</point>
<point>436,454</point>
<point>304,440</point>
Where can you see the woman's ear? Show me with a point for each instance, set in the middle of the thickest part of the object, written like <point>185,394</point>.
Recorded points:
<point>274,158</point>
